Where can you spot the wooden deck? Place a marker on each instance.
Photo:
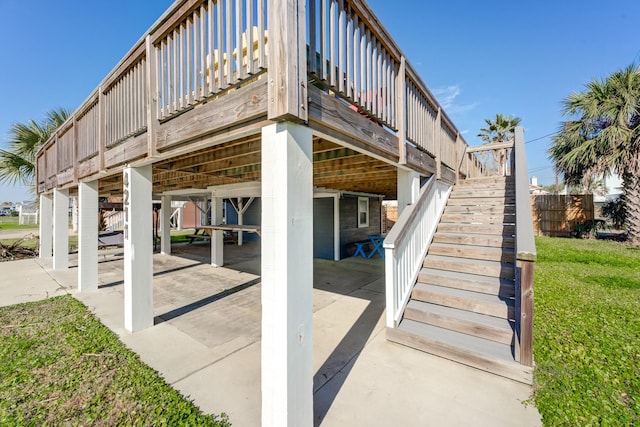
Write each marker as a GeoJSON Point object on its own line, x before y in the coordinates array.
{"type": "Point", "coordinates": [192, 96]}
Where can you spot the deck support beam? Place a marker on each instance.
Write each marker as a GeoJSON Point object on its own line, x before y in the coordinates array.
{"type": "Point", "coordinates": [60, 229]}
{"type": "Point", "coordinates": [217, 236]}
{"type": "Point", "coordinates": [88, 236]}
{"type": "Point", "coordinates": [165, 225]}
{"type": "Point", "coordinates": [46, 225]}
{"type": "Point", "coordinates": [138, 248]}
{"type": "Point", "coordinates": [287, 275]}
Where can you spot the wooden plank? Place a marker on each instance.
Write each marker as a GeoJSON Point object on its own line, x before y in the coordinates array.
{"type": "Point", "coordinates": [459, 354]}
{"type": "Point", "coordinates": [232, 109]}
{"type": "Point", "coordinates": [331, 113]}
{"type": "Point", "coordinates": [420, 161]}
{"type": "Point", "coordinates": [475, 239]}
{"type": "Point", "coordinates": [88, 167]}
{"type": "Point", "coordinates": [467, 322]}
{"type": "Point", "coordinates": [476, 228]}
{"type": "Point", "coordinates": [483, 268]}
{"type": "Point", "coordinates": [130, 149]}
{"type": "Point", "coordinates": [472, 252]}
{"type": "Point", "coordinates": [490, 305]}
{"type": "Point", "coordinates": [502, 288]}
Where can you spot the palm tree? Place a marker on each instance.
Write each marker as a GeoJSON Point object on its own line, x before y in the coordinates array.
{"type": "Point", "coordinates": [17, 164]}
{"type": "Point", "coordinates": [499, 130]}
{"type": "Point", "coordinates": [604, 137]}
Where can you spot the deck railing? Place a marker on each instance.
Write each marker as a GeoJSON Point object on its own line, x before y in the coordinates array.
{"type": "Point", "coordinates": [488, 160]}
{"type": "Point", "coordinates": [201, 48]}
{"type": "Point", "coordinates": [406, 245]}
{"type": "Point", "coordinates": [525, 248]}
{"type": "Point", "coordinates": [353, 55]}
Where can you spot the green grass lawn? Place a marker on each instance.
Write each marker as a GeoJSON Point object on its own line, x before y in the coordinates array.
{"type": "Point", "coordinates": [587, 332]}
{"type": "Point", "coordinates": [60, 366]}
{"type": "Point", "coordinates": [11, 223]}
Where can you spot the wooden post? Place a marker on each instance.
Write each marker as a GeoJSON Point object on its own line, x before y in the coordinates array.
{"type": "Point", "coordinates": [165, 225]}
{"type": "Point", "coordinates": [88, 236]}
{"type": "Point", "coordinates": [524, 311]}
{"type": "Point", "coordinates": [152, 97]}
{"type": "Point", "coordinates": [138, 248]}
{"type": "Point", "coordinates": [240, 212]}
{"type": "Point", "coordinates": [287, 63]}
{"type": "Point", "coordinates": [60, 229]}
{"type": "Point", "coordinates": [217, 238]}
{"type": "Point", "coordinates": [437, 138]}
{"type": "Point", "coordinates": [287, 276]}
{"type": "Point", "coordinates": [102, 128]}
{"type": "Point", "coordinates": [46, 225]}
{"type": "Point", "coordinates": [401, 112]}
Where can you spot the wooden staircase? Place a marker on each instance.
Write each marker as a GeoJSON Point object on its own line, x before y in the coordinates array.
{"type": "Point", "coordinates": [462, 306]}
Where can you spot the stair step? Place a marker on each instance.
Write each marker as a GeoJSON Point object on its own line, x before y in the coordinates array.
{"type": "Point", "coordinates": [472, 252]}
{"type": "Point", "coordinates": [467, 322]}
{"type": "Point", "coordinates": [472, 351]}
{"type": "Point", "coordinates": [480, 209]}
{"type": "Point", "coordinates": [500, 229]}
{"type": "Point", "coordinates": [476, 302]}
{"type": "Point", "coordinates": [495, 240]}
{"type": "Point", "coordinates": [480, 201]}
{"type": "Point", "coordinates": [481, 192]}
{"type": "Point", "coordinates": [479, 218]}
{"type": "Point", "coordinates": [464, 265]}
{"type": "Point", "coordinates": [503, 288]}
{"type": "Point", "coordinates": [487, 180]}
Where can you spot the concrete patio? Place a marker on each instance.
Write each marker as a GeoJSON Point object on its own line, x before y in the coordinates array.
{"type": "Point", "coordinates": [206, 341]}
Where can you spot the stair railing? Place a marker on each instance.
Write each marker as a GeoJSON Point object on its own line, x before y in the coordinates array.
{"type": "Point", "coordinates": [407, 243]}
{"type": "Point", "coordinates": [525, 254]}
{"type": "Point", "coordinates": [487, 160]}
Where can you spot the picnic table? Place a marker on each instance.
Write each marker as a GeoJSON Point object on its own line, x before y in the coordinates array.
{"type": "Point", "coordinates": [375, 240]}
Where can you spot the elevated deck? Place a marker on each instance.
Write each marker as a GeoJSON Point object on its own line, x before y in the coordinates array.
{"type": "Point", "coordinates": [192, 95]}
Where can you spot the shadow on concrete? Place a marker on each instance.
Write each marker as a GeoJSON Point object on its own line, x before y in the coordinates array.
{"type": "Point", "coordinates": [332, 375]}
{"type": "Point", "coordinates": [203, 302]}
{"type": "Point", "coordinates": [156, 274]}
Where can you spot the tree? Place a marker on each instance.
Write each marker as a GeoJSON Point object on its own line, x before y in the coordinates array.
{"type": "Point", "coordinates": [501, 129]}
{"type": "Point", "coordinates": [604, 137]}
{"type": "Point", "coordinates": [590, 185]}
{"type": "Point", "coordinates": [17, 163]}
{"type": "Point", "coordinates": [553, 188]}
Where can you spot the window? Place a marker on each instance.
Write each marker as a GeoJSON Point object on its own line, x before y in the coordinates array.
{"type": "Point", "coordinates": [363, 212]}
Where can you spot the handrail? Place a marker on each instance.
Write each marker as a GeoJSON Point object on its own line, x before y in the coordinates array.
{"type": "Point", "coordinates": [526, 245]}
{"type": "Point", "coordinates": [408, 216]}
{"type": "Point", "coordinates": [525, 254]}
{"type": "Point", "coordinates": [488, 160]}
{"type": "Point", "coordinates": [407, 243]}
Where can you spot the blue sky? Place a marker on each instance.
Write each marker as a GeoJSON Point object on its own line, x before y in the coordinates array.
{"type": "Point", "coordinates": [479, 58]}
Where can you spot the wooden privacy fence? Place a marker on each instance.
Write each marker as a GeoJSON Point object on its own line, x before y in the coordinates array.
{"type": "Point", "coordinates": [557, 214]}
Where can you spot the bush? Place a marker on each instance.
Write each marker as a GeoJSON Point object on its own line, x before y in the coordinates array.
{"type": "Point", "coordinates": [616, 211]}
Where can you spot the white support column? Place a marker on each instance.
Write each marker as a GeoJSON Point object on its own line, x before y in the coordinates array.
{"type": "Point", "coordinates": [217, 238]}
{"type": "Point", "coordinates": [88, 236]}
{"type": "Point", "coordinates": [46, 225]}
{"type": "Point", "coordinates": [408, 188]}
{"type": "Point", "coordinates": [60, 229]}
{"type": "Point", "coordinates": [240, 219]}
{"type": "Point", "coordinates": [165, 225]}
{"type": "Point", "coordinates": [138, 248]}
{"type": "Point", "coordinates": [74, 214]}
{"type": "Point", "coordinates": [287, 275]}
{"type": "Point", "coordinates": [336, 227]}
